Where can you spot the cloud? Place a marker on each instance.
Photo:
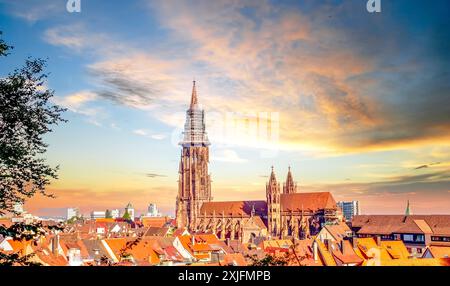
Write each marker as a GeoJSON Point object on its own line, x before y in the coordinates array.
{"type": "Point", "coordinates": [227, 155]}
{"type": "Point", "coordinates": [34, 10]}
{"type": "Point", "coordinates": [78, 102]}
{"type": "Point", "coordinates": [149, 134]}
{"type": "Point", "coordinates": [337, 86]}
{"type": "Point", "coordinates": [86, 40]}
{"type": "Point", "coordinates": [426, 166]}
{"type": "Point", "coordinates": [68, 36]}
{"type": "Point", "coordinates": [89, 199]}
{"type": "Point", "coordinates": [326, 72]}
{"type": "Point", "coordinates": [153, 175]}
{"type": "Point", "coordinates": [137, 81]}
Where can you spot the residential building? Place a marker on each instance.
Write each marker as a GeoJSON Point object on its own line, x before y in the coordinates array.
{"type": "Point", "coordinates": [130, 210]}
{"type": "Point", "coordinates": [416, 231]}
{"type": "Point", "coordinates": [98, 214]}
{"type": "Point", "coordinates": [115, 213]}
{"type": "Point", "coordinates": [349, 209]}
{"type": "Point", "coordinates": [72, 212]}
{"type": "Point", "coordinates": [152, 210]}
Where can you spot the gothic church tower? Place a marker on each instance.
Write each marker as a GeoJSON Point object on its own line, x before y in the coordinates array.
{"type": "Point", "coordinates": [194, 184]}
{"type": "Point", "coordinates": [289, 187]}
{"type": "Point", "coordinates": [273, 206]}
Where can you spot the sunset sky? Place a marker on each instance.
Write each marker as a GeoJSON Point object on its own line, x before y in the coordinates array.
{"type": "Point", "coordinates": [361, 101]}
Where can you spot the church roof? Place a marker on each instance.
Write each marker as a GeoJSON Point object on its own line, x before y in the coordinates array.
{"type": "Point", "coordinates": [307, 201]}
{"type": "Point", "coordinates": [234, 208]}
{"type": "Point", "coordinates": [388, 224]}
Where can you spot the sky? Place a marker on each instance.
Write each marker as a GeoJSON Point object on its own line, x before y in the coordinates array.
{"type": "Point", "coordinates": [356, 103]}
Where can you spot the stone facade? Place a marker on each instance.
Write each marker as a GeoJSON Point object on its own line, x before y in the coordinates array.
{"type": "Point", "coordinates": [194, 184]}
{"type": "Point", "coordinates": [287, 214]}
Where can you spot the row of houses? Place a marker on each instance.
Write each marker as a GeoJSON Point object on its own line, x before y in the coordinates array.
{"type": "Point", "coordinates": [367, 241]}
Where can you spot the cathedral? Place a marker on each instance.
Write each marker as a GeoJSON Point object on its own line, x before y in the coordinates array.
{"type": "Point", "coordinates": [285, 213]}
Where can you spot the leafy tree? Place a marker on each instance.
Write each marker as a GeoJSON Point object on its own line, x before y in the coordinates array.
{"type": "Point", "coordinates": [126, 215]}
{"type": "Point", "coordinates": [26, 115]}
{"type": "Point", "coordinates": [108, 214]}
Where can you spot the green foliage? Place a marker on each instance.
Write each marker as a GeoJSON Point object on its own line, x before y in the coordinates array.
{"type": "Point", "coordinates": [15, 259]}
{"type": "Point", "coordinates": [26, 115]}
{"type": "Point", "coordinates": [74, 219]}
{"type": "Point", "coordinates": [268, 260]}
{"type": "Point", "coordinates": [108, 214]}
{"type": "Point", "coordinates": [23, 232]}
{"type": "Point", "coordinates": [126, 215]}
{"type": "Point", "coordinates": [3, 47]}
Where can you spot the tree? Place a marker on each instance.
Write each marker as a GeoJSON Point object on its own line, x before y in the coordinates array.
{"type": "Point", "coordinates": [126, 215]}
{"type": "Point", "coordinates": [108, 214]}
{"type": "Point", "coordinates": [26, 115]}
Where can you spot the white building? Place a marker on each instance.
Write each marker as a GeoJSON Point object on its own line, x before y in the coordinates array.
{"type": "Point", "coordinates": [349, 209]}
{"type": "Point", "coordinates": [115, 213]}
{"type": "Point", "coordinates": [153, 210]}
{"type": "Point", "coordinates": [72, 212]}
{"type": "Point", "coordinates": [98, 214]}
{"type": "Point", "coordinates": [130, 210]}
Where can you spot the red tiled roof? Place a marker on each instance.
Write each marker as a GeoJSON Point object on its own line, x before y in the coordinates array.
{"type": "Point", "coordinates": [235, 259]}
{"type": "Point", "coordinates": [308, 201]}
{"type": "Point", "coordinates": [388, 224]}
{"type": "Point", "coordinates": [154, 221]}
{"type": "Point", "coordinates": [235, 208]}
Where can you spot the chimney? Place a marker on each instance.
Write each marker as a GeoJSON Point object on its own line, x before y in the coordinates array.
{"type": "Point", "coordinates": [315, 254]}
{"type": "Point", "coordinates": [193, 240]}
{"type": "Point", "coordinates": [378, 240]}
{"type": "Point", "coordinates": [55, 245]}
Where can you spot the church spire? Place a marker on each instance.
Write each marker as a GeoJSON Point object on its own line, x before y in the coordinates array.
{"type": "Point", "coordinates": [408, 210]}
{"type": "Point", "coordinates": [194, 100]}
{"type": "Point", "coordinates": [272, 176]}
{"type": "Point", "coordinates": [289, 187]}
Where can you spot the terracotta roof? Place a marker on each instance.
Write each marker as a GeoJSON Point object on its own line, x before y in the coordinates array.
{"type": "Point", "coordinates": [396, 248]}
{"type": "Point", "coordinates": [440, 251]}
{"type": "Point", "coordinates": [279, 243]}
{"type": "Point", "coordinates": [94, 246]}
{"type": "Point", "coordinates": [308, 201]}
{"type": "Point", "coordinates": [367, 247]}
{"type": "Point", "coordinates": [172, 254]}
{"type": "Point", "coordinates": [413, 262]}
{"type": "Point", "coordinates": [202, 244]}
{"type": "Point", "coordinates": [6, 222]}
{"type": "Point", "coordinates": [236, 208]}
{"type": "Point", "coordinates": [424, 227]}
{"type": "Point", "coordinates": [76, 244]}
{"type": "Point", "coordinates": [303, 248]}
{"type": "Point", "coordinates": [155, 221]}
{"type": "Point", "coordinates": [234, 259]}
{"type": "Point", "coordinates": [347, 255]}
{"type": "Point", "coordinates": [338, 231]}
{"type": "Point", "coordinates": [156, 231]}
{"type": "Point", "coordinates": [145, 251]}
{"type": "Point", "coordinates": [388, 224]}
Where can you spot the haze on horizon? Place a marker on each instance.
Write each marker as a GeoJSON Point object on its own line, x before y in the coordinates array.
{"type": "Point", "coordinates": [362, 99]}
